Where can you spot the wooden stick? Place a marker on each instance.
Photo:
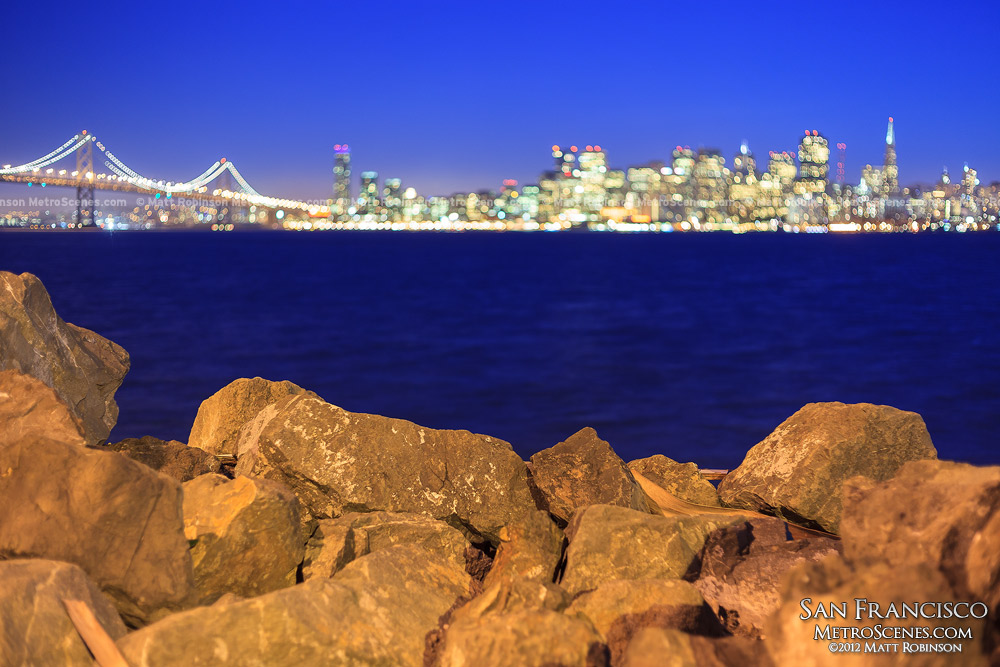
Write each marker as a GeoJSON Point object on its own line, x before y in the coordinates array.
{"type": "Point", "coordinates": [670, 505]}
{"type": "Point", "coordinates": [103, 647]}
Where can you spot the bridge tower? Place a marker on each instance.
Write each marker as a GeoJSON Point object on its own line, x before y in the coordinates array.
{"type": "Point", "coordinates": [85, 176]}
{"type": "Point", "coordinates": [225, 183]}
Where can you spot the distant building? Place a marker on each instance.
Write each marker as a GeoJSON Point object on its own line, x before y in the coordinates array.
{"type": "Point", "coordinates": [710, 185]}
{"type": "Point", "coordinates": [341, 180]}
{"type": "Point", "coordinates": [814, 162]}
{"type": "Point", "coordinates": [368, 200]}
{"type": "Point", "coordinates": [744, 163]}
{"type": "Point", "coordinates": [392, 198]}
{"type": "Point", "coordinates": [890, 172]}
{"type": "Point", "coordinates": [593, 170]}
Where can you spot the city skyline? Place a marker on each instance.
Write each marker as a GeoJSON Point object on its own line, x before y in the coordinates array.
{"type": "Point", "coordinates": [694, 190]}
{"type": "Point", "coordinates": [462, 98]}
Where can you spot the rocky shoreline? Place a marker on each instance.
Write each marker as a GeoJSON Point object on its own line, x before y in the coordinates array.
{"type": "Point", "coordinates": [289, 531]}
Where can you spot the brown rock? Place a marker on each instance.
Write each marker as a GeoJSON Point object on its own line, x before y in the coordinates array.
{"type": "Point", "coordinates": [681, 479]}
{"type": "Point", "coordinates": [245, 535]}
{"type": "Point", "coordinates": [83, 368]}
{"type": "Point", "coordinates": [34, 626]}
{"type": "Point", "coordinates": [376, 611]}
{"type": "Point", "coordinates": [797, 472]}
{"type": "Point", "coordinates": [660, 647]}
{"type": "Point", "coordinates": [530, 547]}
{"type": "Point", "coordinates": [831, 586]}
{"type": "Point", "coordinates": [938, 514]}
{"type": "Point", "coordinates": [526, 637]}
{"type": "Point", "coordinates": [742, 568]}
{"type": "Point", "coordinates": [30, 408]}
{"type": "Point", "coordinates": [170, 457]}
{"type": "Point", "coordinates": [337, 542]}
{"type": "Point", "coordinates": [619, 609]}
{"type": "Point", "coordinates": [221, 416]}
{"type": "Point", "coordinates": [608, 542]}
{"type": "Point", "coordinates": [337, 462]}
{"type": "Point", "coordinates": [513, 595]}
{"type": "Point", "coordinates": [583, 470]}
{"type": "Point", "coordinates": [118, 520]}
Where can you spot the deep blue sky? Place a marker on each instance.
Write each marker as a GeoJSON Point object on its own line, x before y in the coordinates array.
{"type": "Point", "coordinates": [459, 95]}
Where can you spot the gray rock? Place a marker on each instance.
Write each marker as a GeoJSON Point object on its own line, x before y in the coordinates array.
{"type": "Point", "coordinates": [664, 647]}
{"type": "Point", "coordinates": [583, 470]}
{"type": "Point", "coordinates": [376, 611]}
{"type": "Point", "coordinates": [30, 408]}
{"type": "Point", "coordinates": [608, 542]}
{"type": "Point", "coordinates": [34, 626]}
{"type": "Point", "coordinates": [832, 581]}
{"type": "Point", "coordinates": [221, 416]}
{"type": "Point", "coordinates": [742, 568]}
{"type": "Point", "coordinates": [337, 542]}
{"type": "Point", "coordinates": [941, 514]}
{"type": "Point", "coordinates": [83, 368]}
{"type": "Point", "coordinates": [169, 457]}
{"type": "Point", "coordinates": [338, 462]}
{"type": "Point", "coordinates": [245, 535]}
{"type": "Point", "coordinates": [620, 609]}
{"type": "Point", "coordinates": [530, 548]}
{"type": "Point", "coordinates": [117, 519]}
{"type": "Point", "coordinates": [526, 637]}
{"type": "Point", "coordinates": [797, 472]}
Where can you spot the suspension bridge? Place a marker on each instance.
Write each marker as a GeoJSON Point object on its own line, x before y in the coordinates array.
{"type": "Point", "coordinates": [221, 183]}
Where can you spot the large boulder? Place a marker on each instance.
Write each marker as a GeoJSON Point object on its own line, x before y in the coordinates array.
{"type": "Point", "coordinates": [336, 542]}
{"type": "Point", "coordinates": [376, 611]}
{"type": "Point", "coordinates": [619, 609]}
{"type": "Point", "coordinates": [664, 647]}
{"type": "Point", "coordinates": [798, 470]}
{"type": "Point", "coordinates": [608, 542]}
{"type": "Point", "coordinates": [525, 637]}
{"type": "Point", "coordinates": [583, 470]}
{"type": "Point", "coordinates": [742, 568]}
{"type": "Point", "coordinates": [83, 368]}
{"type": "Point", "coordinates": [338, 461]}
{"type": "Point", "coordinates": [220, 417]}
{"type": "Point", "coordinates": [117, 519]}
{"type": "Point", "coordinates": [34, 626]}
{"type": "Point", "coordinates": [170, 457]}
{"type": "Point", "coordinates": [834, 603]}
{"type": "Point", "coordinates": [940, 514]}
{"type": "Point", "coordinates": [244, 533]}
{"type": "Point", "coordinates": [680, 479]}
{"type": "Point", "coordinates": [530, 547]}
{"type": "Point", "coordinates": [30, 408]}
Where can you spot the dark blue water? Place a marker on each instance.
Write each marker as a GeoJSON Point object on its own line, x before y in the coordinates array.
{"type": "Point", "coordinates": [695, 346]}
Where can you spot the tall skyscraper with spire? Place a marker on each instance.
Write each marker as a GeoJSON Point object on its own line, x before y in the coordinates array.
{"type": "Point", "coordinates": [890, 172]}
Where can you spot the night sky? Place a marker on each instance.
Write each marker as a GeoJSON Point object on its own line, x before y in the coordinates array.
{"type": "Point", "coordinates": [456, 96]}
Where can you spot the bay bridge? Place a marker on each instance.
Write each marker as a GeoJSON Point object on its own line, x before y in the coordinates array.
{"type": "Point", "coordinates": [221, 183]}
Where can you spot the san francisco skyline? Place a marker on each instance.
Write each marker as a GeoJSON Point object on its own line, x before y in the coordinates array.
{"type": "Point", "coordinates": [464, 98]}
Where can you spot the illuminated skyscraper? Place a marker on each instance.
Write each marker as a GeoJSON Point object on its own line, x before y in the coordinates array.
{"type": "Point", "coordinates": [814, 162]}
{"type": "Point", "coordinates": [593, 168]}
{"type": "Point", "coordinates": [392, 197]}
{"type": "Point", "coordinates": [890, 172]}
{"type": "Point", "coordinates": [341, 179]}
{"type": "Point", "coordinates": [368, 199]}
{"type": "Point", "coordinates": [565, 159]}
{"type": "Point", "coordinates": [710, 184]}
{"type": "Point", "coordinates": [744, 163]}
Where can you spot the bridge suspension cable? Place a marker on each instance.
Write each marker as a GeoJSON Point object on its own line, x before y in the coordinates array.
{"type": "Point", "coordinates": [126, 174]}
{"type": "Point", "coordinates": [54, 156]}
